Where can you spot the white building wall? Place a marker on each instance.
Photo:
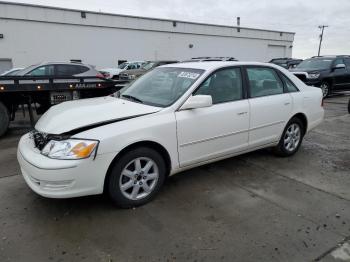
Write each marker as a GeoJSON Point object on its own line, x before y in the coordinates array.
{"type": "Point", "coordinates": [34, 34]}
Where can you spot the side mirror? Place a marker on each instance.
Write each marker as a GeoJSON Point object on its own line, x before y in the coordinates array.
{"type": "Point", "coordinates": [339, 66]}
{"type": "Point", "coordinates": [198, 101]}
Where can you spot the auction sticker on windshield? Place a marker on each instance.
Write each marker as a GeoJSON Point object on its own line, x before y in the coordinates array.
{"type": "Point", "coordinates": [189, 75]}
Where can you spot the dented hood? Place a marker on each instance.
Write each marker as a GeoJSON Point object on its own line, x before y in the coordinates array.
{"type": "Point", "coordinates": [89, 113]}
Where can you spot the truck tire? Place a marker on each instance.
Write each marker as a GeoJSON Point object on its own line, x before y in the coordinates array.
{"type": "Point", "coordinates": [4, 119]}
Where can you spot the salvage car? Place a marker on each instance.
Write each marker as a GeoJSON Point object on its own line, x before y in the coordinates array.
{"type": "Point", "coordinates": [132, 74]}
{"type": "Point", "coordinates": [330, 73]}
{"type": "Point", "coordinates": [114, 73]}
{"type": "Point", "coordinates": [12, 72]}
{"type": "Point", "coordinates": [171, 119]}
{"type": "Point", "coordinates": [288, 63]}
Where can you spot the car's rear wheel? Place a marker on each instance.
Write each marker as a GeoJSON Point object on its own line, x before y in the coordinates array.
{"type": "Point", "coordinates": [4, 119]}
{"type": "Point", "coordinates": [326, 88]}
{"type": "Point", "coordinates": [291, 138]}
{"type": "Point", "coordinates": [136, 177]}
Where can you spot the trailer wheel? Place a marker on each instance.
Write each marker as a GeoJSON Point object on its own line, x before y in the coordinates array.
{"type": "Point", "coordinates": [4, 119]}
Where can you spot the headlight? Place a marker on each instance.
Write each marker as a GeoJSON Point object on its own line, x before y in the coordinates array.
{"type": "Point", "coordinates": [70, 149]}
{"type": "Point", "coordinates": [313, 76]}
{"type": "Point", "coordinates": [132, 77]}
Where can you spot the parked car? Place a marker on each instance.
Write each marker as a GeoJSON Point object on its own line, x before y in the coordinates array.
{"type": "Point", "coordinates": [288, 63]}
{"type": "Point", "coordinates": [210, 58]}
{"type": "Point", "coordinates": [132, 74]}
{"type": "Point", "coordinates": [12, 71]}
{"type": "Point", "coordinates": [57, 69]}
{"type": "Point", "coordinates": [113, 73]}
{"type": "Point", "coordinates": [171, 119]}
{"type": "Point", "coordinates": [330, 73]}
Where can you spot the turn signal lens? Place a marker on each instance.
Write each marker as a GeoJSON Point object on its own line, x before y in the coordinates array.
{"type": "Point", "coordinates": [83, 150]}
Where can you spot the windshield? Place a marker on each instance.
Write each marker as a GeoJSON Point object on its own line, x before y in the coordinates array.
{"type": "Point", "coordinates": [162, 86]}
{"type": "Point", "coordinates": [148, 66]}
{"type": "Point", "coordinates": [123, 65]}
{"type": "Point", "coordinates": [315, 64]}
{"type": "Point", "coordinates": [26, 70]}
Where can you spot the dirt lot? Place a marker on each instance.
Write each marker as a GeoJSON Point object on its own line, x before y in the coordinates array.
{"type": "Point", "coordinates": [255, 207]}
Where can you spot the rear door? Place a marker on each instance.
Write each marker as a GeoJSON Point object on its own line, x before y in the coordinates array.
{"type": "Point", "coordinates": [270, 105]}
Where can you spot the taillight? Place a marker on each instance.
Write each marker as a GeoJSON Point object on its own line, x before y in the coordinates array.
{"type": "Point", "coordinates": [100, 75]}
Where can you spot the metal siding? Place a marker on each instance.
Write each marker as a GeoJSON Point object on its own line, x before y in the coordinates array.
{"type": "Point", "coordinates": [103, 39]}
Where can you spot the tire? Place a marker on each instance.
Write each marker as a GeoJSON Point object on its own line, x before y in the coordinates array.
{"type": "Point", "coordinates": [326, 88]}
{"type": "Point", "coordinates": [4, 119]}
{"type": "Point", "coordinates": [140, 186]}
{"type": "Point", "coordinates": [285, 148]}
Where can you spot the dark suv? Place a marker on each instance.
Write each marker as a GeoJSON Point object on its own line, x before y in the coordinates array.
{"type": "Point", "coordinates": [330, 73]}
{"type": "Point", "coordinates": [288, 63]}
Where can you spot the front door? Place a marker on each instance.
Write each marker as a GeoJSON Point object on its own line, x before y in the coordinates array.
{"type": "Point", "coordinates": [212, 132]}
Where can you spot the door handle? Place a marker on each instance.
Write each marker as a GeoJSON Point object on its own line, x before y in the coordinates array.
{"type": "Point", "coordinates": [287, 103]}
{"type": "Point", "coordinates": [242, 113]}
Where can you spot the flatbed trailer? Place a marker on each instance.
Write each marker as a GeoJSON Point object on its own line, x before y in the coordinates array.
{"type": "Point", "coordinates": [40, 93]}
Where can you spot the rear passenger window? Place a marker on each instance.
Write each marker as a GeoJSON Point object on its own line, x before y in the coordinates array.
{"type": "Point", "coordinates": [223, 86]}
{"type": "Point", "coordinates": [289, 85]}
{"type": "Point", "coordinates": [70, 70]}
{"type": "Point", "coordinates": [264, 82]}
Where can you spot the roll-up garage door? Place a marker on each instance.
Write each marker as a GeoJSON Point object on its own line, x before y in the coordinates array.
{"type": "Point", "coordinates": [276, 51]}
{"type": "Point", "coordinates": [5, 64]}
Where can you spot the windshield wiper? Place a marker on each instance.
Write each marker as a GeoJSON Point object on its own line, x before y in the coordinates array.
{"type": "Point", "coordinates": [133, 98]}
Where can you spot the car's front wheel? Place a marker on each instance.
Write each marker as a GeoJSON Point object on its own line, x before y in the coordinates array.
{"type": "Point", "coordinates": [136, 177]}
{"type": "Point", "coordinates": [291, 138]}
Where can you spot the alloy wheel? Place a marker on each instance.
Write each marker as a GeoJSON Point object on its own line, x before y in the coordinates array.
{"type": "Point", "coordinates": [139, 178]}
{"type": "Point", "coordinates": [325, 89]}
{"type": "Point", "coordinates": [292, 137]}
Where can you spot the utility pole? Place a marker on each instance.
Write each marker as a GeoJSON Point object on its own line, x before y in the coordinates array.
{"type": "Point", "coordinates": [322, 27]}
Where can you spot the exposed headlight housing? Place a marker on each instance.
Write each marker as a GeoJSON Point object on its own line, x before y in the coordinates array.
{"type": "Point", "coordinates": [132, 77]}
{"type": "Point", "coordinates": [313, 75]}
{"type": "Point", "coordinates": [70, 149]}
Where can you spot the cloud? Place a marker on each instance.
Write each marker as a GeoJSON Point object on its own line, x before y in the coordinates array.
{"type": "Point", "coordinates": [300, 16]}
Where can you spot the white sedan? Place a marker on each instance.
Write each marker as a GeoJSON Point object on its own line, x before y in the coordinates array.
{"type": "Point", "coordinates": [171, 119]}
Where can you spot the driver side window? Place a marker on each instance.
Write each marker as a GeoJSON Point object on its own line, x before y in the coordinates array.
{"type": "Point", "coordinates": [223, 86]}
